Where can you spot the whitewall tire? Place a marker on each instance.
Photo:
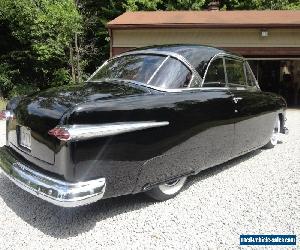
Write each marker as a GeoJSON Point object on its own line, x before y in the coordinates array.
{"type": "Point", "coordinates": [167, 190]}
{"type": "Point", "coordinates": [275, 134]}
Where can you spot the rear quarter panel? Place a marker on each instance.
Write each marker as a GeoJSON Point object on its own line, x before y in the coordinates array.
{"type": "Point", "coordinates": [132, 160]}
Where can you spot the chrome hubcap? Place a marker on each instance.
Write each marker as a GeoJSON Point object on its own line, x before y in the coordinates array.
{"type": "Point", "coordinates": [172, 187]}
{"type": "Point", "coordinates": [172, 183]}
{"type": "Point", "coordinates": [275, 133]}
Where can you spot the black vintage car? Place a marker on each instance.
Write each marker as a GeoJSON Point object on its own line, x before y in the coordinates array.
{"type": "Point", "coordinates": [143, 122]}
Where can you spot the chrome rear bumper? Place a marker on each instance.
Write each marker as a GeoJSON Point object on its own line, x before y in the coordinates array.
{"type": "Point", "coordinates": [58, 192]}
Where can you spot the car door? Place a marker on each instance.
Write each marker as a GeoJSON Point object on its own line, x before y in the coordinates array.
{"type": "Point", "coordinates": [200, 133]}
{"type": "Point", "coordinates": [253, 119]}
{"type": "Point", "coordinates": [221, 134]}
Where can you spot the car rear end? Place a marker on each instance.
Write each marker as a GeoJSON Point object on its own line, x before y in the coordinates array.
{"type": "Point", "coordinates": [62, 160]}
{"type": "Point", "coordinates": [39, 162]}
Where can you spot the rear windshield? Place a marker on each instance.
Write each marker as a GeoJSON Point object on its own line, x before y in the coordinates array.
{"type": "Point", "coordinates": [132, 67]}
{"type": "Point", "coordinates": [172, 75]}
{"type": "Point", "coordinates": [156, 70]}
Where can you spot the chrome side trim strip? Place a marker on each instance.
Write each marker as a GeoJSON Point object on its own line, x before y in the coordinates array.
{"type": "Point", "coordinates": [81, 132]}
{"type": "Point", "coordinates": [55, 191]}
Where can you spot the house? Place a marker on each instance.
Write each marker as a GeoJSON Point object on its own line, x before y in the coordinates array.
{"type": "Point", "coordinates": [269, 39]}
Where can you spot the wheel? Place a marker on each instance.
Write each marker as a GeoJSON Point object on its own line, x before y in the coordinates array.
{"type": "Point", "coordinates": [167, 190]}
{"type": "Point", "coordinates": [274, 138]}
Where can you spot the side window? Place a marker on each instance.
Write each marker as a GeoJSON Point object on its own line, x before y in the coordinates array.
{"type": "Point", "coordinates": [173, 74]}
{"type": "Point", "coordinates": [215, 76]}
{"type": "Point", "coordinates": [235, 72]}
{"type": "Point", "coordinates": [250, 78]}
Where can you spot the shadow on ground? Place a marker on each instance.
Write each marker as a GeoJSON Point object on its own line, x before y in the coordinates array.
{"type": "Point", "coordinates": [67, 222]}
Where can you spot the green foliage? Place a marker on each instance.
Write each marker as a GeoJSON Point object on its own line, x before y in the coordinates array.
{"type": "Point", "coordinates": [95, 37]}
{"type": "Point", "coordinates": [135, 5]}
{"type": "Point", "coordinates": [56, 42]}
{"type": "Point", "coordinates": [259, 4]}
{"type": "Point", "coordinates": [185, 5]}
{"type": "Point", "coordinates": [3, 103]}
{"type": "Point", "coordinates": [22, 89]}
{"type": "Point", "coordinates": [54, 28]}
{"type": "Point", "coordinates": [20, 16]}
{"type": "Point", "coordinates": [61, 77]}
{"type": "Point", "coordinates": [6, 76]}
{"type": "Point", "coordinates": [293, 6]}
{"type": "Point", "coordinates": [38, 35]}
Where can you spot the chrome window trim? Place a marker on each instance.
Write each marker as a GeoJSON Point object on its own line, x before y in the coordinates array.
{"type": "Point", "coordinates": [245, 74]}
{"type": "Point", "coordinates": [231, 57]}
{"type": "Point", "coordinates": [158, 68]}
{"type": "Point", "coordinates": [166, 90]}
{"type": "Point", "coordinates": [251, 72]}
{"type": "Point", "coordinates": [210, 62]}
{"type": "Point", "coordinates": [215, 57]}
{"type": "Point", "coordinates": [239, 59]}
{"type": "Point", "coordinates": [164, 53]}
{"type": "Point", "coordinates": [225, 70]}
{"type": "Point", "coordinates": [195, 75]}
{"type": "Point", "coordinates": [156, 71]}
{"type": "Point", "coordinates": [236, 86]}
{"type": "Point", "coordinates": [97, 70]}
{"type": "Point", "coordinates": [241, 86]}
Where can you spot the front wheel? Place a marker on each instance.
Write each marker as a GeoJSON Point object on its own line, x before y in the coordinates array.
{"type": "Point", "coordinates": [167, 190]}
{"type": "Point", "coordinates": [275, 134]}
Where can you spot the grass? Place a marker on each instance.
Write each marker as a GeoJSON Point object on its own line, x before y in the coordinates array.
{"type": "Point", "coordinates": [2, 103]}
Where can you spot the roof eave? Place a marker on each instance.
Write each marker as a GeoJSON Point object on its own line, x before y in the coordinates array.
{"type": "Point", "coordinates": [201, 25]}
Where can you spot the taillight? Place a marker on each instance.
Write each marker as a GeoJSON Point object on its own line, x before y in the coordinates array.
{"type": "Point", "coordinates": [6, 115]}
{"type": "Point", "coordinates": [85, 132]}
{"type": "Point", "coordinates": [60, 133]}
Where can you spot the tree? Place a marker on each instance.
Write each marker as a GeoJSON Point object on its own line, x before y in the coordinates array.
{"type": "Point", "coordinates": [260, 4]}
{"type": "Point", "coordinates": [40, 33]}
{"type": "Point", "coordinates": [137, 5]}
{"type": "Point", "coordinates": [185, 5]}
{"type": "Point", "coordinates": [94, 40]}
{"type": "Point", "coordinates": [53, 42]}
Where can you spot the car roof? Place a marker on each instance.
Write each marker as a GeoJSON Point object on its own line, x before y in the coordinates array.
{"type": "Point", "coordinates": [198, 55]}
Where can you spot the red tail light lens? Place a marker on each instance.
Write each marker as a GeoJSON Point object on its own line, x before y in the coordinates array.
{"type": "Point", "coordinates": [60, 133]}
{"type": "Point", "coordinates": [2, 115]}
{"type": "Point", "coordinates": [6, 115]}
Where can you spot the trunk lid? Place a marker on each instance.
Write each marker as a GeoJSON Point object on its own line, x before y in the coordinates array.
{"type": "Point", "coordinates": [40, 112]}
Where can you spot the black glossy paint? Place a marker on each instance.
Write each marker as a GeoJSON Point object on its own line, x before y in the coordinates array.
{"type": "Point", "coordinates": [256, 113]}
{"type": "Point", "coordinates": [197, 121]}
{"type": "Point", "coordinates": [43, 111]}
{"type": "Point", "coordinates": [206, 128]}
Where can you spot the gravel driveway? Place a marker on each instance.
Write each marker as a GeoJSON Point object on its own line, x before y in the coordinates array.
{"type": "Point", "coordinates": [258, 193]}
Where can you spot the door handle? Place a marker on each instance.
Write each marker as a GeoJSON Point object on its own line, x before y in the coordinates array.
{"type": "Point", "coordinates": [237, 99]}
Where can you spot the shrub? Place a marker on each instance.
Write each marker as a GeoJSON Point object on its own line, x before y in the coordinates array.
{"type": "Point", "coordinates": [22, 89]}
{"type": "Point", "coordinates": [2, 103]}
{"type": "Point", "coordinates": [61, 77]}
{"type": "Point", "coordinates": [6, 79]}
